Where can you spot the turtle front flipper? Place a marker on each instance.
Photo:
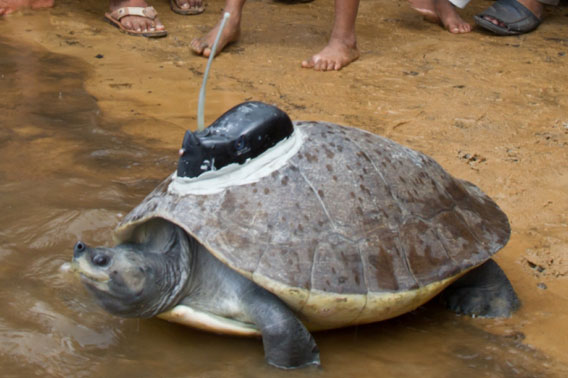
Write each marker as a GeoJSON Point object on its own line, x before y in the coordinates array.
{"type": "Point", "coordinates": [484, 291]}
{"type": "Point", "coordinates": [287, 342]}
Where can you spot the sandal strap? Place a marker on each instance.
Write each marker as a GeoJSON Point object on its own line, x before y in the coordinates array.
{"type": "Point", "coordinates": [147, 12]}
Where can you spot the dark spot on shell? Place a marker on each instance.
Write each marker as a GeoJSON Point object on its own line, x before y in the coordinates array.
{"type": "Point", "coordinates": [340, 148]}
{"type": "Point", "coordinates": [328, 152]}
{"type": "Point", "coordinates": [284, 180]}
{"type": "Point", "coordinates": [365, 189]}
{"type": "Point", "coordinates": [329, 167]}
{"type": "Point", "coordinates": [363, 155]}
{"type": "Point", "coordinates": [334, 177]}
{"type": "Point", "coordinates": [300, 228]}
{"type": "Point", "coordinates": [274, 174]}
{"type": "Point", "coordinates": [283, 219]}
{"type": "Point", "coordinates": [229, 202]}
{"type": "Point", "coordinates": [255, 190]}
{"type": "Point", "coordinates": [333, 270]}
{"type": "Point", "coordinates": [352, 194]}
{"type": "Point", "coordinates": [300, 155]}
{"type": "Point", "coordinates": [342, 280]}
{"type": "Point", "coordinates": [311, 158]}
{"type": "Point", "coordinates": [306, 217]}
{"type": "Point", "coordinates": [266, 190]}
{"type": "Point", "coordinates": [320, 193]}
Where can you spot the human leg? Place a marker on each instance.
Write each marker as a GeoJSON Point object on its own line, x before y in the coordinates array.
{"type": "Point", "coordinates": [342, 46]}
{"type": "Point", "coordinates": [231, 32]}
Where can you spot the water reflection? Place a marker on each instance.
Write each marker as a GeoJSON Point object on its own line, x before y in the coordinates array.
{"type": "Point", "coordinates": [67, 173]}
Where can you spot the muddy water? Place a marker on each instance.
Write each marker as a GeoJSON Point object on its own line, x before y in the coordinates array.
{"type": "Point", "coordinates": [84, 138]}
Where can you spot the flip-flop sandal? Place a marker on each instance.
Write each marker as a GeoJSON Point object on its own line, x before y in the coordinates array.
{"type": "Point", "coordinates": [186, 12]}
{"type": "Point", "coordinates": [517, 18]}
{"type": "Point", "coordinates": [114, 18]}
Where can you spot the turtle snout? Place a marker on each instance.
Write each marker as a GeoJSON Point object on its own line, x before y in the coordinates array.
{"type": "Point", "coordinates": [97, 256]}
{"type": "Point", "coordinates": [79, 248]}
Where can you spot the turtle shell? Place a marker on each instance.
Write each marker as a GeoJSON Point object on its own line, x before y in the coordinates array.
{"type": "Point", "coordinates": [352, 228]}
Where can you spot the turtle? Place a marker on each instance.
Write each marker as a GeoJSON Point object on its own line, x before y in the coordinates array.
{"type": "Point", "coordinates": [276, 228]}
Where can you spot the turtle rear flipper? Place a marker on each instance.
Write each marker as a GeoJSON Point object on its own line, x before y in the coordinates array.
{"type": "Point", "coordinates": [484, 291]}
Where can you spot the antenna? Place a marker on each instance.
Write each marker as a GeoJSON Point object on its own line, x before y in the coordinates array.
{"type": "Point", "coordinates": [201, 104]}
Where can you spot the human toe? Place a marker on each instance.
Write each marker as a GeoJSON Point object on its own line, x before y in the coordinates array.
{"type": "Point", "coordinates": [330, 66]}
{"type": "Point", "coordinates": [206, 52]}
{"type": "Point", "coordinates": [198, 46]}
{"type": "Point", "coordinates": [308, 63]}
{"type": "Point", "coordinates": [318, 65]}
{"type": "Point", "coordinates": [183, 4]}
{"type": "Point", "coordinates": [158, 25]}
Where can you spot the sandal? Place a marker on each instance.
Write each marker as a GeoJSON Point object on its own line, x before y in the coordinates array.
{"type": "Point", "coordinates": [517, 18]}
{"type": "Point", "coordinates": [186, 12]}
{"type": "Point", "coordinates": [114, 18]}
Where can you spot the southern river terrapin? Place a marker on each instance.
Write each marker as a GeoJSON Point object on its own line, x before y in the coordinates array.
{"type": "Point", "coordinates": [272, 228]}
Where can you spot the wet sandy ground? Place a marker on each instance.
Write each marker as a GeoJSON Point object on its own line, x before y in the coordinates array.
{"type": "Point", "coordinates": [91, 120]}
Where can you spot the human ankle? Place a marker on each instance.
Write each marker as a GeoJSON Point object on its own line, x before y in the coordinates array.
{"type": "Point", "coordinates": [534, 6]}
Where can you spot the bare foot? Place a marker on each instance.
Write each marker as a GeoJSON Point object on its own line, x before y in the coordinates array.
{"type": "Point", "coordinates": [10, 6]}
{"type": "Point", "coordinates": [231, 33]}
{"type": "Point", "coordinates": [441, 12]}
{"type": "Point", "coordinates": [188, 7]}
{"type": "Point", "coordinates": [336, 55]}
{"type": "Point", "coordinates": [136, 23]}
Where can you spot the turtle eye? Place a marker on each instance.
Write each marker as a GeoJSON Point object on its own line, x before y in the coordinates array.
{"type": "Point", "coordinates": [100, 260]}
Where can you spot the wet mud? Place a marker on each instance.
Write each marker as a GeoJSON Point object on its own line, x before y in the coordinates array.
{"type": "Point", "coordinates": [91, 120]}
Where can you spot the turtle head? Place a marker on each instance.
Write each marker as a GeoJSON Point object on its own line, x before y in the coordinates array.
{"type": "Point", "coordinates": [136, 279]}
{"type": "Point", "coordinates": [242, 133]}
